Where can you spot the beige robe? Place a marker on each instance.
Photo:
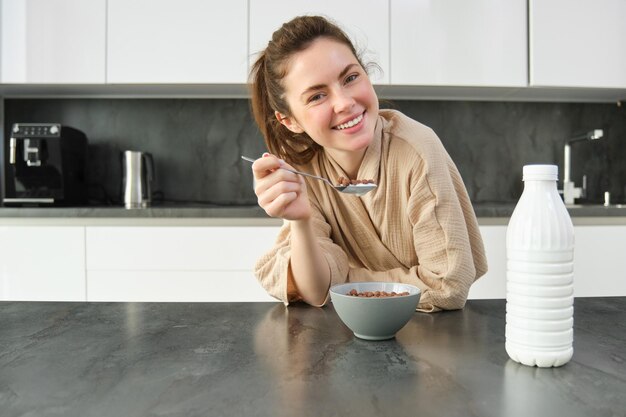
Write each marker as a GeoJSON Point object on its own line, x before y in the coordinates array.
{"type": "Point", "coordinates": [418, 226]}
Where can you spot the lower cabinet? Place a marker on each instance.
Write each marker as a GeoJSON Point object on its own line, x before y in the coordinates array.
{"type": "Point", "coordinates": [213, 264]}
{"type": "Point", "coordinates": [175, 286]}
{"type": "Point", "coordinates": [493, 283]}
{"type": "Point", "coordinates": [599, 262]}
{"type": "Point", "coordinates": [175, 263]}
{"type": "Point", "coordinates": [42, 263]}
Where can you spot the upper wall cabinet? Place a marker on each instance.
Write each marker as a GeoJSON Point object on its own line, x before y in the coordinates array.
{"type": "Point", "coordinates": [52, 41]}
{"type": "Point", "coordinates": [170, 42]}
{"type": "Point", "coordinates": [365, 21]}
{"type": "Point", "coordinates": [459, 43]}
{"type": "Point", "coordinates": [580, 44]}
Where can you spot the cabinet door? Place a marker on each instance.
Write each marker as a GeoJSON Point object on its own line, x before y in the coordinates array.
{"type": "Point", "coordinates": [365, 21]}
{"type": "Point", "coordinates": [459, 43]}
{"type": "Point", "coordinates": [493, 283]}
{"type": "Point", "coordinates": [154, 248]}
{"type": "Point", "coordinates": [52, 41]}
{"type": "Point", "coordinates": [176, 263]}
{"type": "Point", "coordinates": [42, 263]}
{"type": "Point", "coordinates": [184, 41]}
{"type": "Point", "coordinates": [581, 44]}
{"type": "Point", "coordinates": [599, 261]}
{"type": "Point", "coordinates": [175, 286]}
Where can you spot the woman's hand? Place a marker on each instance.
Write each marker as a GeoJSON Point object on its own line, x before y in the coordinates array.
{"type": "Point", "coordinates": [280, 193]}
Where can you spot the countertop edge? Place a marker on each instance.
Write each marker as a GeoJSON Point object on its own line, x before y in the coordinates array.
{"type": "Point", "coordinates": [235, 221]}
{"type": "Point", "coordinates": [488, 214]}
{"type": "Point", "coordinates": [142, 221]}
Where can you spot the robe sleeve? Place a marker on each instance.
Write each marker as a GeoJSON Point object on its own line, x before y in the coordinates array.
{"type": "Point", "coordinates": [273, 269]}
{"type": "Point", "coordinates": [445, 231]}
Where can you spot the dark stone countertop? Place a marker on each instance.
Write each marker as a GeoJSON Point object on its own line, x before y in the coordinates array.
{"type": "Point", "coordinates": [157, 211]}
{"type": "Point", "coordinates": [264, 359]}
{"type": "Point", "coordinates": [482, 210]}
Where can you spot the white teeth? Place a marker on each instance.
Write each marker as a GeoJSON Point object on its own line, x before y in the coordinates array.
{"type": "Point", "coordinates": [351, 123]}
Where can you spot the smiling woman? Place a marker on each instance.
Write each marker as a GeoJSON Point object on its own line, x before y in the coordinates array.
{"type": "Point", "coordinates": [318, 113]}
{"type": "Point", "coordinates": [330, 97]}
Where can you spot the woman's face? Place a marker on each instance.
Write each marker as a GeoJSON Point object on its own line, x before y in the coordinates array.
{"type": "Point", "coordinates": [331, 99]}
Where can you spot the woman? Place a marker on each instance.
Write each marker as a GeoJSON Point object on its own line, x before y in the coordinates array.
{"type": "Point", "coordinates": [318, 112]}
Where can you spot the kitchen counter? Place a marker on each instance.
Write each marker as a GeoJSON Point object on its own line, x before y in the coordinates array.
{"type": "Point", "coordinates": [264, 359]}
{"type": "Point", "coordinates": [198, 214]}
{"type": "Point", "coordinates": [159, 211]}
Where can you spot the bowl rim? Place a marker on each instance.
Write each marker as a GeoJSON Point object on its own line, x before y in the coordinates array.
{"type": "Point", "coordinates": [333, 290]}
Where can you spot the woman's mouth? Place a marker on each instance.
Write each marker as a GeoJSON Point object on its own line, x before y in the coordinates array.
{"type": "Point", "coordinates": [350, 123]}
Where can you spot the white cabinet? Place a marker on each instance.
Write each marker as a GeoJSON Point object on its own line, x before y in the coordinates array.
{"type": "Point", "coordinates": [169, 42]}
{"type": "Point", "coordinates": [42, 263]}
{"type": "Point", "coordinates": [441, 49]}
{"type": "Point", "coordinates": [599, 262]}
{"type": "Point", "coordinates": [176, 263]}
{"type": "Point", "coordinates": [215, 263]}
{"type": "Point", "coordinates": [459, 43]}
{"type": "Point", "coordinates": [493, 283]}
{"type": "Point", "coordinates": [365, 21]}
{"type": "Point", "coordinates": [580, 44]}
{"type": "Point", "coordinates": [52, 41]}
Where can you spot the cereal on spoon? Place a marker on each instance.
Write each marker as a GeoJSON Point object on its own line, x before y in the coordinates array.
{"type": "Point", "coordinates": [344, 182]}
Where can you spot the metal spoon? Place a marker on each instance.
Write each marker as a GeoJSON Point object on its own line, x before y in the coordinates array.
{"type": "Point", "coordinates": [356, 189]}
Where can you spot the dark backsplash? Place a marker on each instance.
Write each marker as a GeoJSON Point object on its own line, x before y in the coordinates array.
{"type": "Point", "coordinates": [197, 143]}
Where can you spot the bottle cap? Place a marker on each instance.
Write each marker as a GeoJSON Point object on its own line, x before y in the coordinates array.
{"type": "Point", "coordinates": [540, 172]}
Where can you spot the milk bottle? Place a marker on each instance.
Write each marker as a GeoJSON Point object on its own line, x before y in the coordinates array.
{"type": "Point", "coordinates": [540, 271]}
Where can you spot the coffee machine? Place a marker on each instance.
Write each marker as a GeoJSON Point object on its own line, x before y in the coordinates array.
{"type": "Point", "coordinates": [45, 165]}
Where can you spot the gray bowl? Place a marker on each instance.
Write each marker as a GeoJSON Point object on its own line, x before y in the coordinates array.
{"type": "Point", "coordinates": [375, 318]}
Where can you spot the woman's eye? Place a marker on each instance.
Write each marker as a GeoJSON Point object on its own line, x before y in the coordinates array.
{"type": "Point", "coordinates": [351, 78]}
{"type": "Point", "coordinates": [315, 97]}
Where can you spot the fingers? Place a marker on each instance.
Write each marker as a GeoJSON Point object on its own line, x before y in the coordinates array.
{"type": "Point", "coordinates": [280, 192]}
{"type": "Point", "coordinates": [278, 206]}
{"type": "Point", "coordinates": [276, 191]}
{"type": "Point", "coordinates": [265, 165]}
{"type": "Point", "coordinates": [268, 174]}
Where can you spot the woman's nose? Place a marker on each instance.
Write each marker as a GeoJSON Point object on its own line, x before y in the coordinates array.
{"type": "Point", "coordinates": [343, 102]}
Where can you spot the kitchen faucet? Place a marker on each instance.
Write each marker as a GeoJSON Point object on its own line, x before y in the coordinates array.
{"type": "Point", "coordinates": [570, 191]}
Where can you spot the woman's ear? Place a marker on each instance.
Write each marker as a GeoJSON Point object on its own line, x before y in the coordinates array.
{"type": "Point", "coordinates": [289, 122]}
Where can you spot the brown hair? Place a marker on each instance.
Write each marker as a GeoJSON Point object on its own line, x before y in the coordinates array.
{"type": "Point", "coordinates": [268, 92]}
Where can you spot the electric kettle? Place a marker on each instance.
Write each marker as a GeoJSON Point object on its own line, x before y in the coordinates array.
{"type": "Point", "coordinates": [138, 174]}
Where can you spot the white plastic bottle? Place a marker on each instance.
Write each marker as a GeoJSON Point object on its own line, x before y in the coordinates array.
{"type": "Point", "coordinates": [540, 273]}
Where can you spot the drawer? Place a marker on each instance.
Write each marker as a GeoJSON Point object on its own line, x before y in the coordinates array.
{"type": "Point", "coordinates": [177, 248]}
{"type": "Point", "coordinates": [175, 286]}
{"type": "Point", "coordinates": [42, 263]}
